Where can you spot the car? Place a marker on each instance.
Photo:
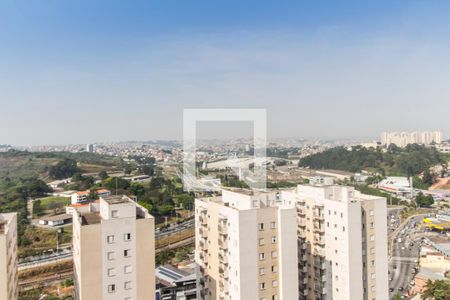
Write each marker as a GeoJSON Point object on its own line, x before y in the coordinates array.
{"type": "Point", "coordinates": [394, 267]}
{"type": "Point", "coordinates": [391, 290]}
{"type": "Point", "coordinates": [400, 289]}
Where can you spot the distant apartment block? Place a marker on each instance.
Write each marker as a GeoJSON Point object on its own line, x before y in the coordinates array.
{"type": "Point", "coordinates": [342, 243]}
{"type": "Point", "coordinates": [401, 139]}
{"type": "Point", "coordinates": [8, 257]}
{"type": "Point", "coordinates": [113, 250]}
{"type": "Point", "coordinates": [90, 148]}
{"type": "Point", "coordinates": [246, 247]}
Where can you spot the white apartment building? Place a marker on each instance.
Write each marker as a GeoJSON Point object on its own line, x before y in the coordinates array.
{"type": "Point", "coordinates": [8, 257]}
{"type": "Point", "coordinates": [114, 250]}
{"type": "Point", "coordinates": [401, 139]}
{"type": "Point", "coordinates": [342, 243]}
{"type": "Point", "coordinates": [245, 247]}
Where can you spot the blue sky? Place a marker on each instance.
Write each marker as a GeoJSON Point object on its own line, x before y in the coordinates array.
{"type": "Point", "coordinates": [90, 71]}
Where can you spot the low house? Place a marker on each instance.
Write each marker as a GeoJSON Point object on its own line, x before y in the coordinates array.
{"type": "Point", "coordinates": [56, 220]}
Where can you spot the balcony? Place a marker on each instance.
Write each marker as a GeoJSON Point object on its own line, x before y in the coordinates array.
{"type": "Point", "coordinates": [301, 233]}
{"type": "Point", "coordinates": [223, 244]}
{"type": "Point", "coordinates": [223, 272]}
{"type": "Point", "coordinates": [319, 241]}
{"type": "Point", "coordinates": [319, 251]}
{"type": "Point", "coordinates": [223, 229]}
{"type": "Point", "coordinates": [301, 212]}
{"type": "Point", "coordinates": [223, 258]}
{"type": "Point", "coordinates": [203, 232]}
{"type": "Point", "coordinates": [301, 223]}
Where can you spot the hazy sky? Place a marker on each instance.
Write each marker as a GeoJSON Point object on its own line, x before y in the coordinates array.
{"type": "Point", "coordinates": [91, 71]}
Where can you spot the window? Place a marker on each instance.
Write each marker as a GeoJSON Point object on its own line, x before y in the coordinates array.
{"type": "Point", "coordinates": [274, 283]}
{"type": "Point", "coordinates": [372, 263]}
{"type": "Point", "coordinates": [262, 271]}
{"type": "Point", "coordinates": [111, 255]}
{"type": "Point", "coordinates": [372, 275]}
{"type": "Point", "coordinates": [111, 288]}
{"type": "Point", "coordinates": [342, 215]}
{"type": "Point", "coordinates": [273, 225]}
{"type": "Point", "coordinates": [372, 237]}
{"type": "Point", "coordinates": [371, 212]}
{"type": "Point", "coordinates": [127, 253]}
{"type": "Point", "coordinates": [261, 226]}
{"type": "Point", "coordinates": [371, 225]}
{"type": "Point", "coordinates": [127, 237]}
{"type": "Point", "coordinates": [261, 242]}
{"type": "Point", "coordinates": [274, 254]}
{"type": "Point", "coordinates": [262, 285]}
{"type": "Point", "coordinates": [111, 272]}
{"type": "Point", "coordinates": [114, 214]}
{"type": "Point", "coordinates": [343, 228]}
{"type": "Point", "coordinates": [274, 269]}
{"type": "Point", "coordinates": [262, 256]}
{"type": "Point", "coordinates": [110, 239]}
{"type": "Point", "coordinates": [127, 269]}
{"type": "Point", "coordinates": [127, 285]}
{"type": "Point", "coordinates": [274, 239]}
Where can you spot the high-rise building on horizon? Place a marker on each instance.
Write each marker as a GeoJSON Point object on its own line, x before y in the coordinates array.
{"type": "Point", "coordinates": [8, 257]}
{"type": "Point", "coordinates": [402, 139]}
{"type": "Point", "coordinates": [113, 250]}
{"type": "Point", "coordinates": [246, 247]}
{"type": "Point", "coordinates": [342, 243]}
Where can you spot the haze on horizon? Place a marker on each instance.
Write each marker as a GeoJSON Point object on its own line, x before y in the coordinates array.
{"type": "Point", "coordinates": [97, 71]}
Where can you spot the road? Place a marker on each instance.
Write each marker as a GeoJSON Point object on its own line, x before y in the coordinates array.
{"type": "Point", "coordinates": [404, 255]}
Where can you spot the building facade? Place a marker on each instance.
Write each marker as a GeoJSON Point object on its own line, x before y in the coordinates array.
{"type": "Point", "coordinates": [114, 250]}
{"type": "Point", "coordinates": [246, 247]}
{"type": "Point", "coordinates": [8, 257]}
{"type": "Point", "coordinates": [401, 139]}
{"type": "Point", "coordinates": [342, 243]}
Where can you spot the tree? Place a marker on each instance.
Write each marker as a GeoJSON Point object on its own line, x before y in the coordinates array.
{"type": "Point", "coordinates": [424, 201]}
{"type": "Point", "coordinates": [397, 297]}
{"type": "Point", "coordinates": [128, 169]}
{"type": "Point", "coordinates": [427, 177]}
{"type": "Point", "coordinates": [64, 169]}
{"type": "Point", "coordinates": [103, 175]}
{"type": "Point", "coordinates": [186, 200]}
{"type": "Point", "coordinates": [148, 170]}
{"type": "Point", "coordinates": [165, 209]}
{"type": "Point", "coordinates": [437, 290]}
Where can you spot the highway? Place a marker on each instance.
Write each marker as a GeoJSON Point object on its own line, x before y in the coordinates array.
{"type": "Point", "coordinates": [404, 256]}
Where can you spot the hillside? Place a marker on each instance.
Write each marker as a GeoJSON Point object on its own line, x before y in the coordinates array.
{"type": "Point", "coordinates": [22, 164]}
{"type": "Point", "coordinates": [409, 161]}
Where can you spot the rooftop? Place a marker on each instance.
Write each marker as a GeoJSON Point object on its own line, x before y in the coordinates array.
{"type": "Point", "coordinates": [120, 199]}
{"type": "Point", "coordinates": [90, 218]}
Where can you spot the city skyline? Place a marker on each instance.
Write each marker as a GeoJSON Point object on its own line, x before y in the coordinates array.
{"type": "Point", "coordinates": [113, 72]}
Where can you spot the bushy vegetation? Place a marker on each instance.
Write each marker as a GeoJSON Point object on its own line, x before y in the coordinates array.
{"type": "Point", "coordinates": [408, 161]}
{"type": "Point", "coordinates": [64, 169]}
{"type": "Point", "coordinates": [14, 194]}
{"type": "Point", "coordinates": [437, 290]}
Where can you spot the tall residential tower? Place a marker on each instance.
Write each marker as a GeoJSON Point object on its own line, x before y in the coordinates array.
{"type": "Point", "coordinates": [246, 247]}
{"type": "Point", "coordinates": [8, 256]}
{"type": "Point", "coordinates": [113, 250]}
{"type": "Point", "coordinates": [342, 243]}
